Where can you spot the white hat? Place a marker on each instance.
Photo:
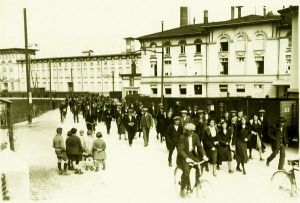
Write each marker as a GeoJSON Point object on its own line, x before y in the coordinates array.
{"type": "Point", "coordinates": [190, 126]}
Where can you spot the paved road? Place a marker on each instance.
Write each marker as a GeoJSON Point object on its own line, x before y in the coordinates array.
{"type": "Point", "coordinates": [133, 174]}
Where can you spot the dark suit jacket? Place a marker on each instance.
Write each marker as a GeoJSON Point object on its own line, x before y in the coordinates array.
{"type": "Point", "coordinates": [172, 136]}
{"type": "Point", "coordinates": [183, 149]}
{"type": "Point", "coordinates": [127, 121]}
{"type": "Point", "coordinates": [146, 121]}
{"type": "Point", "coordinates": [275, 133]}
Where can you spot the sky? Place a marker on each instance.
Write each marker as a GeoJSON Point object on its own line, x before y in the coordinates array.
{"type": "Point", "coordinates": [67, 27]}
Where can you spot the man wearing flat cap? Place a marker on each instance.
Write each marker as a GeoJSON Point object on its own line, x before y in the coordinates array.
{"type": "Point", "coordinates": [189, 150]}
{"type": "Point", "coordinates": [264, 125]}
{"type": "Point", "coordinates": [172, 136]}
{"type": "Point", "coordinates": [130, 125]}
{"type": "Point", "coordinates": [185, 119]}
{"type": "Point", "coordinates": [279, 139]}
{"type": "Point", "coordinates": [145, 124]}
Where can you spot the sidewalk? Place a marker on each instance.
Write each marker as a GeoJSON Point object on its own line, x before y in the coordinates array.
{"type": "Point", "coordinates": [134, 174]}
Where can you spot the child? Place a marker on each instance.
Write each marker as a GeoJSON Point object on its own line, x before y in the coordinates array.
{"type": "Point", "coordinates": [99, 147]}
{"type": "Point", "coordinates": [88, 151]}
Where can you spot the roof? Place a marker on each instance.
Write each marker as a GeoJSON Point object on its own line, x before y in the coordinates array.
{"type": "Point", "coordinates": [202, 29]}
{"type": "Point", "coordinates": [17, 51]}
{"type": "Point", "coordinates": [289, 10]}
{"type": "Point", "coordinates": [66, 58]}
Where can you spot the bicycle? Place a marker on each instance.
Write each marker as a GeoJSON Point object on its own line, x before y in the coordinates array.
{"type": "Point", "coordinates": [201, 187]}
{"type": "Point", "coordinates": [285, 180]}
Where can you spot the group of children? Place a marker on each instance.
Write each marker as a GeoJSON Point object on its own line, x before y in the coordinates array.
{"type": "Point", "coordinates": [79, 151]}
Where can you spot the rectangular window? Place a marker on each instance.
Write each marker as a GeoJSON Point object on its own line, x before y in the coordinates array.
{"type": "Point", "coordinates": [168, 90]}
{"type": "Point", "coordinates": [198, 48]}
{"type": "Point", "coordinates": [167, 62]}
{"type": "Point", "coordinates": [223, 88]}
{"type": "Point", "coordinates": [240, 88]}
{"type": "Point", "coordinates": [84, 72]}
{"type": "Point", "coordinates": [260, 67]}
{"type": "Point", "coordinates": [224, 46]}
{"type": "Point", "coordinates": [154, 68]}
{"type": "Point", "coordinates": [167, 50]}
{"type": "Point", "coordinates": [182, 49]}
{"type": "Point", "coordinates": [154, 89]}
{"type": "Point", "coordinates": [182, 89]}
{"type": "Point", "coordinates": [98, 72]}
{"type": "Point", "coordinates": [224, 63]}
{"type": "Point", "coordinates": [198, 89]}
{"type": "Point", "coordinates": [92, 74]}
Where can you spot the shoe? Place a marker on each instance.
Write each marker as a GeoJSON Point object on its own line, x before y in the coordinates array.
{"type": "Point", "coordinates": [97, 169]}
{"type": "Point", "coordinates": [206, 169]}
{"type": "Point", "coordinates": [130, 145]}
{"type": "Point", "coordinates": [157, 137]}
{"type": "Point", "coordinates": [86, 168]}
{"type": "Point", "coordinates": [76, 171]}
{"type": "Point", "coordinates": [238, 169]}
{"type": "Point", "coordinates": [60, 172]}
{"type": "Point", "coordinates": [66, 173]}
{"type": "Point", "coordinates": [91, 168]}
{"type": "Point", "coordinates": [80, 172]}
{"type": "Point", "coordinates": [244, 172]}
{"type": "Point", "coordinates": [261, 159]}
{"type": "Point", "coordinates": [214, 174]}
{"type": "Point", "coordinates": [170, 164]}
{"type": "Point", "coordinates": [268, 163]}
{"type": "Point", "coordinates": [250, 157]}
{"type": "Point", "coordinates": [218, 167]}
{"type": "Point", "coordinates": [230, 171]}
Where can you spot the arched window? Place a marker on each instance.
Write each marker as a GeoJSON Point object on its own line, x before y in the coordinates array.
{"type": "Point", "coordinates": [241, 43]}
{"type": "Point", "coordinates": [259, 43]}
{"type": "Point", "coordinates": [197, 43]}
{"type": "Point", "coordinates": [223, 44]}
{"type": "Point", "coordinates": [153, 46]}
{"type": "Point", "coordinates": [182, 44]}
{"type": "Point", "coordinates": [167, 46]}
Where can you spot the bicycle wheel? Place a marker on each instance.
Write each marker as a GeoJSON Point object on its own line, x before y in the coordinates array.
{"type": "Point", "coordinates": [204, 189]}
{"type": "Point", "coordinates": [280, 182]}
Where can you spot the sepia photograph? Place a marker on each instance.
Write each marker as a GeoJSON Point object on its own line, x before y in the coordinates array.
{"type": "Point", "coordinates": [155, 101]}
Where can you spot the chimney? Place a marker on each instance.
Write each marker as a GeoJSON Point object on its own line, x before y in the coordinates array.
{"type": "Point", "coordinates": [183, 16]}
{"type": "Point", "coordinates": [239, 11]}
{"type": "Point", "coordinates": [205, 16]}
{"type": "Point", "coordinates": [232, 12]}
{"type": "Point", "coordinates": [264, 11]}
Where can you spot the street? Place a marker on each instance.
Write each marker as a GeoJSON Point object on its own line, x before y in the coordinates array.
{"type": "Point", "coordinates": [133, 174]}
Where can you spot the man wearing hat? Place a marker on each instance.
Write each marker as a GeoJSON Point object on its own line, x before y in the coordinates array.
{"type": "Point", "coordinates": [145, 124]}
{"type": "Point", "coordinates": [172, 136]}
{"type": "Point", "coordinates": [107, 119]}
{"type": "Point", "coordinates": [187, 153]}
{"type": "Point", "coordinates": [279, 139]}
{"type": "Point", "coordinates": [194, 115]}
{"type": "Point", "coordinates": [185, 119]}
{"type": "Point", "coordinates": [233, 113]}
{"type": "Point", "coordinates": [130, 125]}
{"type": "Point", "coordinates": [177, 108]}
{"type": "Point", "coordinates": [264, 125]}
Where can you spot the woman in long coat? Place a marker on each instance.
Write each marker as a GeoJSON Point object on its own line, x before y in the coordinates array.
{"type": "Point", "coordinates": [242, 135]}
{"type": "Point", "coordinates": [121, 126]}
{"type": "Point", "coordinates": [224, 150]}
{"type": "Point", "coordinates": [255, 141]}
{"type": "Point", "coordinates": [99, 154]}
{"type": "Point", "coordinates": [211, 144]}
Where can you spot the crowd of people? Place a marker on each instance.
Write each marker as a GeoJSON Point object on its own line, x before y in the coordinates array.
{"type": "Point", "coordinates": [193, 132]}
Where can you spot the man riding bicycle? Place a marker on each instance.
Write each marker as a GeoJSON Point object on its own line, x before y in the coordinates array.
{"type": "Point", "coordinates": [187, 153]}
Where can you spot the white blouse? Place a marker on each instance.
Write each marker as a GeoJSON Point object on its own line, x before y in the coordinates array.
{"type": "Point", "coordinates": [213, 131]}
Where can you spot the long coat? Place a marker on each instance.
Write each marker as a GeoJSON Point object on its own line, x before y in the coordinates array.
{"type": "Point", "coordinates": [172, 136]}
{"type": "Point", "coordinates": [146, 121]}
{"type": "Point", "coordinates": [121, 125]}
{"type": "Point", "coordinates": [241, 144]}
{"type": "Point", "coordinates": [255, 127]}
{"type": "Point", "coordinates": [209, 141]}
{"type": "Point", "coordinates": [224, 153]}
{"type": "Point", "coordinates": [127, 122]}
{"type": "Point", "coordinates": [99, 144]}
{"type": "Point", "coordinates": [73, 145]}
{"type": "Point", "coordinates": [183, 150]}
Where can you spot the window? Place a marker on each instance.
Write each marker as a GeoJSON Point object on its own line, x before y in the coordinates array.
{"type": "Point", "coordinates": [198, 45]}
{"type": "Point", "coordinates": [259, 43]}
{"type": "Point", "coordinates": [84, 63]}
{"type": "Point", "coordinates": [168, 62]}
{"type": "Point", "coordinates": [224, 64]}
{"type": "Point", "coordinates": [240, 88]}
{"type": "Point", "coordinates": [224, 44]}
{"type": "Point", "coordinates": [182, 89]}
{"type": "Point", "coordinates": [167, 47]}
{"type": "Point", "coordinates": [91, 63]}
{"type": "Point", "coordinates": [168, 90]}
{"type": "Point", "coordinates": [241, 43]}
{"type": "Point", "coordinates": [98, 72]}
{"type": "Point", "coordinates": [154, 89]}
{"type": "Point", "coordinates": [258, 86]}
{"type": "Point", "coordinates": [92, 74]}
{"type": "Point", "coordinates": [260, 65]}
{"type": "Point", "coordinates": [198, 89]}
{"type": "Point", "coordinates": [182, 44]}
{"type": "Point", "coordinates": [131, 81]}
{"type": "Point", "coordinates": [223, 88]}
{"type": "Point", "coordinates": [84, 72]}
{"type": "Point", "coordinates": [154, 68]}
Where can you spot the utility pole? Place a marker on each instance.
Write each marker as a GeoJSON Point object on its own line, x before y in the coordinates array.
{"type": "Point", "coordinates": [50, 85]}
{"type": "Point", "coordinates": [113, 80]}
{"type": "Point", "coordinates": [162, 66]}
{"type": "Point", "coordinates": [29, 96]}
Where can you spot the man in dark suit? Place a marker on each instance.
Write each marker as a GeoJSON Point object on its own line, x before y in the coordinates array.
{"type": "Point", "coordinates": [108, 118]}
{"type": "Point", "coordinates": [279, 142]}
{"type": "Point", "coordinates": [90, 120]}
{"type": "Point", "coordinates": [265, 127]}
{"type": "Point", "coordinates": [187, 145]}
{"type": "Point", "coordinates": [145, 124]}
{"type": "Point", "coordinates": [130, 125]}
{"type": "Point", "coordinates": [75, 110]}
{"type": "Point", "coordinates": [172, 137]}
